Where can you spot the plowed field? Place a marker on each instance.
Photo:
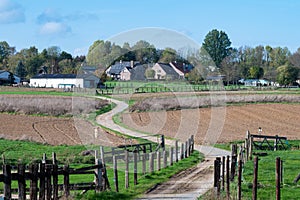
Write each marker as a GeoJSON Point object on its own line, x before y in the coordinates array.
{"type": "Point", "coordinates": [220, 124]}
{"type": "Point", "coordinates": [54, 131]}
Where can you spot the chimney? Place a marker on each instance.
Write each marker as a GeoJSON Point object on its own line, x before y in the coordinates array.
{"type": "Point", "coordinates": [131, 63]}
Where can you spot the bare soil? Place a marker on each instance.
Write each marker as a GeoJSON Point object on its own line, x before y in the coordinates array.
{"type": "Point", "coordinates": [223, 124]}
{"type": "Point", "coordinates": [54, 131]}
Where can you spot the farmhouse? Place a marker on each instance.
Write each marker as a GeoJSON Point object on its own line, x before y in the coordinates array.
{"type": "Point", "coordinates": [7, 77]}
{"type": "Point", "coordinates": [121, 70]}
{"type": "Point", "coordinates": [165, 72]}
{"type": "Point", "coordinates": [256, 82]}
{"type": "Point", "coordinates": [65, 80]}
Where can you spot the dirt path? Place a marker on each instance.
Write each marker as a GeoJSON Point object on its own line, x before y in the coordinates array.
{"type": "Point", "coordinates": [188, 184]}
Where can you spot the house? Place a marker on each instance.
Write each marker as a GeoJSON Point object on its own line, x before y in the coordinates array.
{"type": "Point", "coordinates": [138, 72]}
{"type": "Point", "coordinates": [181, 68]}
{"type": "Point", "coordinates": [6, 76]}
{"type": "Point", "coordinates": [165, 72]}
{"type": "Point", "coordinates": [256, 82]}
{"type": "Point", "coordinates": [65, 80]}
{"type": "Point", "coordinates": [121, 67]}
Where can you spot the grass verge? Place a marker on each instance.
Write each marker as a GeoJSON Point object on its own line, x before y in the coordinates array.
{"type": "Point", "coordinates": [145, 182]}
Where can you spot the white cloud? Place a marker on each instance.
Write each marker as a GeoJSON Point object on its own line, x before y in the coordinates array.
{"type": "Point", "coordinates": [54, 28]}
{"type": "Point", "coordinates": [11, 12]}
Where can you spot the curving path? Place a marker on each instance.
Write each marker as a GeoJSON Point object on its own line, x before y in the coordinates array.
{"type": "Point", "coordinates": [188, 184]}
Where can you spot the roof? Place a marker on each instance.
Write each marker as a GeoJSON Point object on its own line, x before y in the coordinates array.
{"type": "Point", "coordinates": [168, 69]}
{"type": "Point", "coordinates": [40, 76]}
{"type": "Point", "coordinates": [183, 67]}
{"type": "Point", "coordinates": [117, 68]}
{"type": "Point", "coordinates": [138, 73]}
{"type": "Point", "coordinates": [215, 77]}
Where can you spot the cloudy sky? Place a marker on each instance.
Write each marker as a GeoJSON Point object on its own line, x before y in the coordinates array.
{"type": "Point", "coordinates": [75, 25]}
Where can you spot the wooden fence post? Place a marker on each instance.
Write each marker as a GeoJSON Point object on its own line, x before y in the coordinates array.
{"type": "Point", "coordinates": [135, 168]}
{"type": "Point", "coordinates": [33, 170]}
{"type": "Point", "coordinates": [115, 167]}
{"type": "Point", "coordinates": [240, 180]}
{"type": "Point", "coordinates": [158, 160]}
{"type": "Point", "coordinates": [255, 174]}
{"type": "Point", "coordinates": [278, 163]}
{"type": "Point", "coordinates": [42, 181]}
{"type": "Point", "coordinates": [186, 149]}
{"type": "Point", "coordinates": [126, 169]}
{"type": "Point", "coordinates": [66, 181]}
{"type": "Point", "coordinates": [165, 158]}
{"type": "Point", "coordinates": [176, 151]}
{"type": "Point", "coordinates": [144, 163]}
{"type": "Point", "coordinates": [217, 164]}
{"type": "Point", "coordinates": [250, 147]}
{"type": "Point", "coordinates": [55, 181]}
{"type": "Point", "coordinates": [7, 181]}
{"type": "Point", "coordinates": [228, 178]}
{"type": "Point", "coordinates": [223, 172]}
{"type": "Point", "coordinates": [233, 160]}
{"type": "Point", "coordinates": [48, 181]}
{"type": "Point", "coordinates": [182, 151]}
{"type": "Point", "coordinates": [171, 156]}
{"type": "Point", "coordinates": [151, 162]}
{"type": "Point", "coordinates": [193, 143]}
{"type": "Point", "coordinates": [21, 182]}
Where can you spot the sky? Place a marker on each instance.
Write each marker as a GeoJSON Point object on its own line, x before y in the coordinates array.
{"type": "Point", "coordinates": [75, 25]}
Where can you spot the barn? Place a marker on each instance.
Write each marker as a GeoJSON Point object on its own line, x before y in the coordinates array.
{"type": "Point", "coordinates": [64, 80]}
{"type": "Point", "coordinates": [7, 77]}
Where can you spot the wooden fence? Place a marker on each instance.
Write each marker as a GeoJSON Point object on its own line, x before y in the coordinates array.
{"type": "Point", "coordinates": [43, 177]}
{"type": "Point", "coordinates": [227, 168]}
{"type": "Point", "coordinates": [138, 163]}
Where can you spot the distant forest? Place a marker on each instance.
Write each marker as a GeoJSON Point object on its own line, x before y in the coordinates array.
{"type": "Point", "coordinates": [272, 63]}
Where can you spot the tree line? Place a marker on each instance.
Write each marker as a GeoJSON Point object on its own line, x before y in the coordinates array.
{"type": "Point", "coordinates": [29, 61]}
{"type": "Point", "coordinates": [216, 56]}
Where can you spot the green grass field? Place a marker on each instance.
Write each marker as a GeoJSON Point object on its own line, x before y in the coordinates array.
{"type": "Point", "coordinates": [27, 152]}
{"type": "Point", "coordinates": [266, 173]}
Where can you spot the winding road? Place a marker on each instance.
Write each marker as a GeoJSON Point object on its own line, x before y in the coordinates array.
{"type": "Point", "coordinates": [188, 184]}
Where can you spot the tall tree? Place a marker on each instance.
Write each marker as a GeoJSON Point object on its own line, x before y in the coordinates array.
{"type": "Point", "coordinates": [20, 70]}
{"type": "Point", "coordinates": [217, 45]}
{"type": "Point", "coordinates": [53, 54]}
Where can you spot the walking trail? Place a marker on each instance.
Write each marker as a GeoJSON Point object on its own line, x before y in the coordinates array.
{"type": "Point", "coordinates": [188, 184]}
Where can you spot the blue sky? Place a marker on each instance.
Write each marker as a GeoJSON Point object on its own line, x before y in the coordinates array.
{"type": "Point", "coordinates": [75, 25]}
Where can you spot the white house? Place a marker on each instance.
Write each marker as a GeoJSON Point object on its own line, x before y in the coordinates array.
{"type": "Point", "coordinates": [64, 80]}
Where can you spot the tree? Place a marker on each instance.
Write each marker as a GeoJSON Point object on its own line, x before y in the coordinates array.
{"type": "Point", "coordinates": [295, 58]}
{"type": "Point", "coordinates": [53, 55]}
{"type": "Point", "coordinates": [149, 73]}
{"type": "Point", "coordinates": [5, 52]}
{"type": "Point", "coordinates": [145, 52]}
{"type": "Point", "coordinates": [194, 76]}
{"type": "Point", "coordinates": [217, 45]}
{"type": "Point", "coordinates": [230, 67]}
{"type": "Point", "coordinates": [20, 70]}
{"type": "Point", "coordinates": [168, 55]}
{"type": "Point", "coordinates": [286, 75]}
{"type": "Point", "coordinates": [256, 72]}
